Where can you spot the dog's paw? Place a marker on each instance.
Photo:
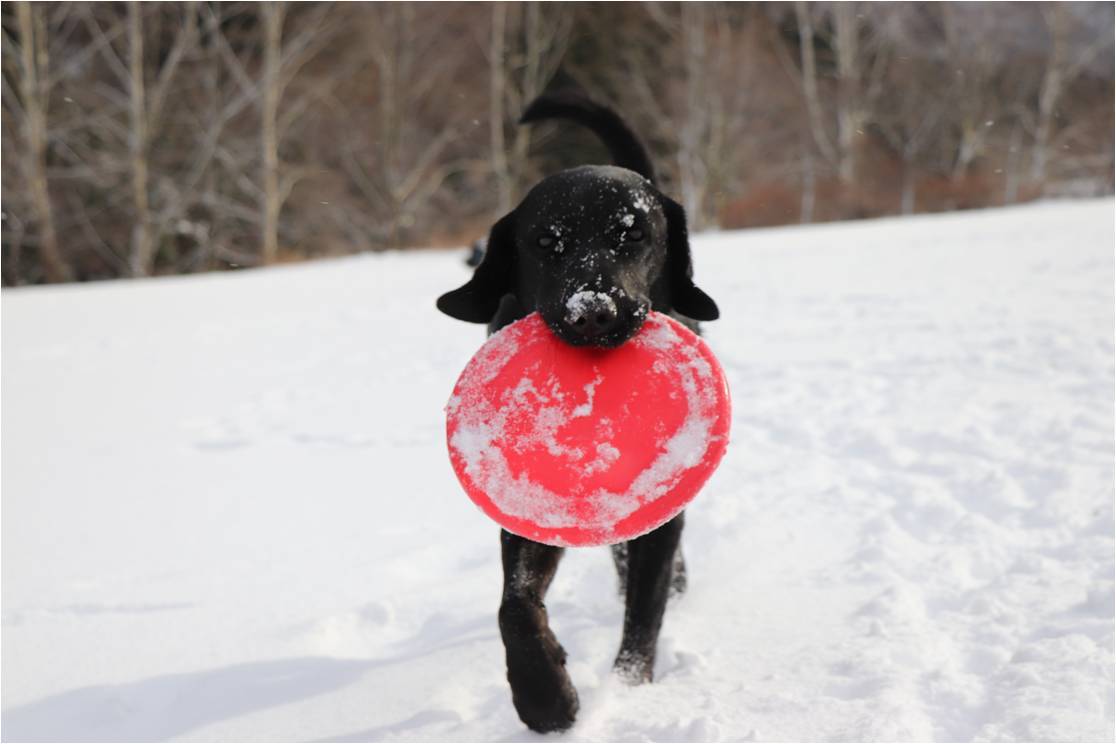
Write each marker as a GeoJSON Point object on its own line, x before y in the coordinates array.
{"type": "Point", "coordinates": [547, 711]}
{"type": "Point", "coordinates": [634, 668]}
{"type": "Point", "coordinates": [543, 695]}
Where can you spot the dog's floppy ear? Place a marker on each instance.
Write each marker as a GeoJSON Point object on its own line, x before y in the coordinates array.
{"type": "Point", "coordinates": [478, 300]}
{"type": "Point", "coordinates": [685, 297]}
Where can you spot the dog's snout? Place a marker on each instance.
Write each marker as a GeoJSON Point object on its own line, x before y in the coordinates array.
{"type": "Point", "coordinates": [591, 314]}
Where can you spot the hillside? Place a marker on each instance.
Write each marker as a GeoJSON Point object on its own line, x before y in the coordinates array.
{"type": "Point", "coordinates": [228, 513]}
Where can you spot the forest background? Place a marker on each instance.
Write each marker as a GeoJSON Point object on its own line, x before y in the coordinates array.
{"type": "Point", "coordinates": [165, 138]}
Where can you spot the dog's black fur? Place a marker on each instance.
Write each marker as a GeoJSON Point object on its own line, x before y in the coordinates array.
{"type": "Point", "coordinates": [592, 250]}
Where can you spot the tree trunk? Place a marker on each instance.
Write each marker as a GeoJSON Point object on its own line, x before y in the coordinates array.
{"type": "Point", "coordinates": [1051, 91]}
{"type": "Point", "coordinates": [496, 107]}
{"type": "Point", "coordinates": [691, 167]}
{"type": "Point", "coordinates": [211, 83]}
{"type": "Point", "coordinates": [534, 47]}
{"type": "Point", "coordinates": [810, 80]}
{"type": "Point", "coordinates": [142, 258]}
{"type": "Point", "coordinates": [848, 113]}
{"type": "Point", "coordinates": [1011, 168]}
{"type": "Point", "coordinates": [907, 200]}
{"type": "Point", "coordinates": [33, 50]}
{"type": "Point", "coordinates": [273, 14]}
{"type": "Point", "coordinates": [969, 147]}
{"type": "Point", "coordinates": [809, 188]}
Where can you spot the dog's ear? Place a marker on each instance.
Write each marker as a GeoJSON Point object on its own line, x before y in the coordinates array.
{"type": "Point", "coordinates": [685, 297]}
{"type": "Point", "coordinates": [478, 299]}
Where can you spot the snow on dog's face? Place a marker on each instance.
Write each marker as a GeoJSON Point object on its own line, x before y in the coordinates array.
{"type": "Point", "coordinates": [590, 244]}
{"type": "Point", "coordinates": [592, 250]}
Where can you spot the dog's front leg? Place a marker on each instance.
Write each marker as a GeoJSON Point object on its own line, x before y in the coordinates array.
{"type": "Point", "coordinates": [650, 561]}
{"type": "Point", "coordinates": [542, 692]}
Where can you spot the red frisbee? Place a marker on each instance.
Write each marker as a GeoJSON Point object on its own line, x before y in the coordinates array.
{"type": "Point", "coordinates": [577, 446]}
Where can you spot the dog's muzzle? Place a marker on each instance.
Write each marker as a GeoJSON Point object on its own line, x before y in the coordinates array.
{"type": "Point", "coordinates": [591, 314]}
{"type": "Point", "coordinates": [593, 318]}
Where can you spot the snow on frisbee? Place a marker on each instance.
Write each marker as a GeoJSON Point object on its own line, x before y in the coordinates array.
{"type": "Point", "coordinates": [578, 446]}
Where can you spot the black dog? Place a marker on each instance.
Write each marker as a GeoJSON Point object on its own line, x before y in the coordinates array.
{"type": "Point", "coordinates": [592, 249]}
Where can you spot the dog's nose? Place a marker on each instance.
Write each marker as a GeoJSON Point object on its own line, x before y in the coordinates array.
{"type": "Point", "coordinates": [591, 314]}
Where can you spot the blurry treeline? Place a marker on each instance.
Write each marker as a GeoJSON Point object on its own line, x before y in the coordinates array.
{"type": "Point", "coordinates": [150, 138]}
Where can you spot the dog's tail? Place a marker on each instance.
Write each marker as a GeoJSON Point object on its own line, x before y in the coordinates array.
{"type": "Point", "coordinates": [623, 145]}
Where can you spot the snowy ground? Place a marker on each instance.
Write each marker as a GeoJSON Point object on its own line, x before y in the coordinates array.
{"type": "Point", "coordinates": [228, 513]}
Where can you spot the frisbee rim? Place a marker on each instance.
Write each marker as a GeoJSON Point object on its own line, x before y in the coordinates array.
{"type": "Point", "coordinates": [685, 482]}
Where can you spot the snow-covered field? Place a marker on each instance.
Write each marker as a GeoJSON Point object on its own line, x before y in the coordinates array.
{"type": "Point", "coordinates": [228, 513]}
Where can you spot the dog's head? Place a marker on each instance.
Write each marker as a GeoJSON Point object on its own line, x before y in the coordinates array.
{"type": "Point", "coordinates": [592, 249]}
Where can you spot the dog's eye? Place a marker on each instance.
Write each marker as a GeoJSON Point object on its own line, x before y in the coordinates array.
{"type": "Point", "coordinates": [546, 241]}
{"type": "Point", "coordinates": [634, 236]}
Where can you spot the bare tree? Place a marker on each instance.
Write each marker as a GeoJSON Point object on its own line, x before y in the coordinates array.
{"type": "Point", "coordinates": [909, 116]}
{"type": "Point", "coordinates": [188, 136]}
{"type": "Point", "coordinates": [972, 65]}
{"type": "Point", "coordinates": [695, 127]}
{"type": "Point", "coordinates": [858, 60]}
{"type": "Point", "coordinates": [1064, 62]}
{"type": "Point", "coordinates": [415, 120]}
{"type": "Point", "coordinates": [839, 70]}
{"type": "Point", "coordinates": [907, 120]}
{"type": "Point", "coordinates": [142, 252]}
{"type": "Point", "coordinates": [699, 109]}
{"type": "Point", "coordinates": [33, 74]}
{"type": "Point", "coordinates": [518, 73]}
{"type": "Point", "coordinates": [812, 99]}
{"type": "Point", "coordinates": [282, 61]}
{"type": "Point", "coordinates": [143, 104]}
{"type": "Point", "coordinates": [273, 14]}
{"type": "Point", "coordinates": [496, 113]}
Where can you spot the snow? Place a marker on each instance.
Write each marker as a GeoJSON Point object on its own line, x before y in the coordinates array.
{"type": "Point", "coordinates": [688, 446]}
{"type": "Point", "coordinates": [580, 304]}
{"type": "Point", "coordinates": [229, 514]}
